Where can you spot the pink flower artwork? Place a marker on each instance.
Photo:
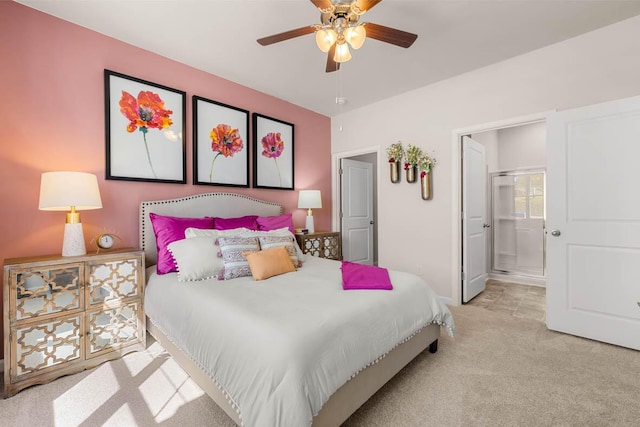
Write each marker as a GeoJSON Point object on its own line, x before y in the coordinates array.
{"type": "Point", "coordinates": [272, 147]}
{"type": "Point", "coordinates": [225, 141]}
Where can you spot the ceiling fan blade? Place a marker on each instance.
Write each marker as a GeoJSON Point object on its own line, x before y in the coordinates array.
{"type": "Point", "coordinates": [390, 35]}
{"type": "Point", "coordinates": [365, 5]}
{"type": "Point", "coordinates": [322, 4]}
{"type": "Point", "coordinates": [331, 64]}
{"type": "Point", "coordinates": [265, 41]}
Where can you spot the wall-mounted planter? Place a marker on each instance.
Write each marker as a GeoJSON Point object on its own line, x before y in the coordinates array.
{"type": "Point", "coordinates": [425, 185]}
{"type": "Point", "coordinates": [394, 172]}
{"type": "Point", "coordinates": [412, 173]}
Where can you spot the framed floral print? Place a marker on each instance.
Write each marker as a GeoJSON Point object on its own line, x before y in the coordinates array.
{"type": "Point", "coordinates": [220, 146]}
{"type": "Point", "coordinates": [273, 153]}
{"type": "Point", "coordinates": [145, 128]}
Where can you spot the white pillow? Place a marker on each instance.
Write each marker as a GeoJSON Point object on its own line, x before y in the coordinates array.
{"type": "Point", "coordinates": [199, 232]}
{"type": "Point", "coordinates": [196, 258]}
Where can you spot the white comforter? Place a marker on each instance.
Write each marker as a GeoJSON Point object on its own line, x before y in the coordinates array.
{"type": "Point", "coordinates": [279, 348]}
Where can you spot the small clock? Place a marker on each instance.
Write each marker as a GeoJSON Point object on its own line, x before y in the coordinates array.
{"type": "Point", "coordinates": [106, 240]}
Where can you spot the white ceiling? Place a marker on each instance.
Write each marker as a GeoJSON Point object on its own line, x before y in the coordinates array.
{"type": "Point", "coordinates": [454, 36]}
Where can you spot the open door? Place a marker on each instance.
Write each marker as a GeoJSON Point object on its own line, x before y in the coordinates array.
{"type": "Point", "coordinates": [593, 222]}
{"type": "Point", "coordinates": [474, 223]}
{"type": "Point", "coordinates": [357, 211]}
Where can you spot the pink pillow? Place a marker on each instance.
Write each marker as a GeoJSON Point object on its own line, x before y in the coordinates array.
{"type": "Point", "coordinates": [266, 223]}
{"type": "Point", "coordinates": [168, 229]}
{"type": "Point", "coordinates": [248, 221]}
{"type": "Point", "coordinates": [359, 276]}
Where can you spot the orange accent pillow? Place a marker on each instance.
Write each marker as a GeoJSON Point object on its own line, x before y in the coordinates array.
{"type": "Point", "coordinates": [269, 262]}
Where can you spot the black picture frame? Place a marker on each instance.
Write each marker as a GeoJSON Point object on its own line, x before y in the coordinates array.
{"type": "Point", "coordinates": [215, 163]}
{"type": "Point", "coordinates": [273, 153]}
{"type": "Point", "coordinates": [150, 147]}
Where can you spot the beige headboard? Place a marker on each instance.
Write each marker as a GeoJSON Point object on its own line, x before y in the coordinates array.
{"type": "Point", "coordinates": [224, 205]}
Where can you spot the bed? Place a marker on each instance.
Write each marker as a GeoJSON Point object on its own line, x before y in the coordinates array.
{"type": "Point", "coordinates": [294, 349]}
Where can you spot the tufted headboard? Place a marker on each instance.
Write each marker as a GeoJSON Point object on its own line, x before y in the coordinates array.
{"type": "Point", "coordinates": [224, 205]}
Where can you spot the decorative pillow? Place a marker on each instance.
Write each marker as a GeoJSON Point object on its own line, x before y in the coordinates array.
{"type": "Point", "coordinates": [359, 276]}
{"type": "Point", "coordinates": [195, 258]}
{"type": "Point", "coordinates": [269, 242]}
{"type": "Point", "coordinates": [248, 221]}
{"type": "Point", "coordinates": [266, 223]}
{"type": "Point", "coordinates": [234, 262]}
{"type": "Point", "coordinates": [279, 232]}
{"type": "Point", "coordinates": [269, 262]}
{"type": "Point", "coordinates": [169, 229]}
{"type": "Point", "coordinates": [213, 234]}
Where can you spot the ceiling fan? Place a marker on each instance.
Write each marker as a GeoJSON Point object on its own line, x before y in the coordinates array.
{"type": "Point", "coordinates": [340, 28]}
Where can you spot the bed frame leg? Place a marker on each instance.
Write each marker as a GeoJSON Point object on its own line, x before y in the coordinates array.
{"type": "Point", "coordinates": [433, 347]}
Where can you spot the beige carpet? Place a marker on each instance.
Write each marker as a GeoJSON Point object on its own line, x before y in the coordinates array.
{"type": "Point", "coordinates": [498, 371]}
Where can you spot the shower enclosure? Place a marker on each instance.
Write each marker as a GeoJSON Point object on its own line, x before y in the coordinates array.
{"type": "Point", "coordinates": [518, 214]}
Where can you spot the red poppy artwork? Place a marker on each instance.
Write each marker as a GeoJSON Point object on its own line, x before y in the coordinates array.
{"type": "Point", "coordinates": [220, 153]}
{"type": "Point", "coordinates": [145, 112]}
{"type": "Point", "coordinates": [225, 141]}
{"type": "Point", "coordinates": [145, 127]}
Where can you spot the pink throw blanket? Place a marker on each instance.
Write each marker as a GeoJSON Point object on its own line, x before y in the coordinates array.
{"type": "Point", "coordinates": [359, 276]}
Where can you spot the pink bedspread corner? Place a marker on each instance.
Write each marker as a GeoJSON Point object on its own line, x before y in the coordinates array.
{"type": "Point", "coordinates": [359, 276]}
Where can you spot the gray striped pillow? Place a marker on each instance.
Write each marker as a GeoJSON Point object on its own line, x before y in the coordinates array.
{"type": "Point", "coordinates": [268, 242]}
{"type": "Point", "coordinates": [234, 264]}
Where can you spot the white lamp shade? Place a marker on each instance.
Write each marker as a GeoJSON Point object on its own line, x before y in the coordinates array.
{"type": "Point", "coordinates": [309, 199]}
{"type": "Point", "coordinates": [325, 39]}
{"type": "Point", "coordinates": [356, 36]}
{"type": "Point", "coordinates": [342, 53]}
{"type": "Point", "coordinates": [61, 190]}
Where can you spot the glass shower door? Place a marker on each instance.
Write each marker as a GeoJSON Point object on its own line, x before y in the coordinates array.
{"type": "Point", "coordinates": [518, 223]}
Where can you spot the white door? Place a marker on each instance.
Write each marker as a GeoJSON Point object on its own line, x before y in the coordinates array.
{"type": "Point", "coordinates": [357, 211]}
{"type": "Point", "coordinates": [474, 223]}
{"type": "Point", "coordinates": [593, 222]}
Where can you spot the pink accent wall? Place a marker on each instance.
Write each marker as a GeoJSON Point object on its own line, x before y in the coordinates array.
{"type": "Point", "coordinates": [52, 116]}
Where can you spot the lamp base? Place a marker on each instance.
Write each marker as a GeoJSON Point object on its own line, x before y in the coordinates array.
{"type": "Point", "coordinates": [309, 224]}
{"type": "Point", "coordinates": [73, 243]}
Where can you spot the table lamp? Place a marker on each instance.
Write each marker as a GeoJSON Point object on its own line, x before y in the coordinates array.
{"type": "Point", "coordinates": [309, 199]}
{"type": "Point", "coordinates": [72, 191]}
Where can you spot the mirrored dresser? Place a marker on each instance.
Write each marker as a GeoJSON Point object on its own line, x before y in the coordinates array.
{"type": "Point", "coordinates": [63, 315]}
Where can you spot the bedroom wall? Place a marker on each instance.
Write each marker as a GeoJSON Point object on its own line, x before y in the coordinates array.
{"type": "Point", "coordinates": [596, 67]}
{"type": "Point", "coordinates": [522, 147]}
{"type": "Point", "coordinates": [52, 115]}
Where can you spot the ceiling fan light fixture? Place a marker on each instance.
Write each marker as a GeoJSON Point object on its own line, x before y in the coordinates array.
{"type": "Point", "coordinates": [340, 30]}
{"type": "Point", "coordinates": [342, 53]}
{"type": "Point", "coordinates": [356, 36]}
{"type": "Point", "coordinates": [325, 39]}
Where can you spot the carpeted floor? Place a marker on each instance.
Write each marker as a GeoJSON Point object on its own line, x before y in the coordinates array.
{"type": "Point", "coordinates": [499, 370]}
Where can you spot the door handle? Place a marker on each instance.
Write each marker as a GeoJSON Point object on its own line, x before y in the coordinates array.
{"type": "Point", "coordinates": [486, 225]}
{"type": "Point", "coordinates": [555, 233]}
{"type": "Point", "coordinates": [371, 222]}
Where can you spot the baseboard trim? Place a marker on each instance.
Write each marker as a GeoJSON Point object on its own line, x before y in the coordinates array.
{"type": "Point", "coordinates": [445, 300]}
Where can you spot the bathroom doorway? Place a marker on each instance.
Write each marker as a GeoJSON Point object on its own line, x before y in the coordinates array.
{"type": "Point", "coordinates": [516, 166]}
{"type": "Point", "coordinates": [518, 223]}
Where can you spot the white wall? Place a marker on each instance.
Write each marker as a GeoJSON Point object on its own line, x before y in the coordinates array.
{"type": "Point", "coordinates": [417, 235]}
{"type": "Point", "coordinates": [522, 147]}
